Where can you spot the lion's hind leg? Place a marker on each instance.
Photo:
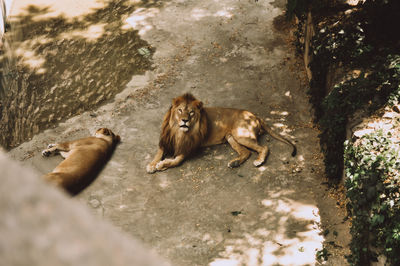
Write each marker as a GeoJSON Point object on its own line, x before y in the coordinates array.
{"type": "Point", "coordinates": [252, 144]}
{"type": "Point", "coordinates": [244, 153]}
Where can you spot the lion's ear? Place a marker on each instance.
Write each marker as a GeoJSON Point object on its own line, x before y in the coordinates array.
{"type": "Point", "coordinates": [198, 104]}
{"type": "Point", "coordinates": [176, 101]}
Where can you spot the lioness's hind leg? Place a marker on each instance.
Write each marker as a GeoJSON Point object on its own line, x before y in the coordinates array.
{"type": "Point", "coordinates": [252, 144]}
{"type": "Point", "coordinates": [242, 151]}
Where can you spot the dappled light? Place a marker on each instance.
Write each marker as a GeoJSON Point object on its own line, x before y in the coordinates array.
{"type": "Point", "coordinates": [284, 113]}
{"type": "Point", "coordinates": [31, 60]}
{"type": "Point", "coordinates": [199, 13]}
{"type": "Point", "coordinates": [164, 182]}
{"type": "Point", "coordinates": [67, 63]}
{"type": "Point", "coordinates": [262, 168]}
{"type": "Point", "coordinates": [91, 33]}
{"type": "Point", "coordinates": [45, 9]}
{"type": "Point", "coordinates": [293, 242]}
{"type": "Point", "coordinates": [279, 125]}
{"type": "Point", "coordinates": [301, 158]}
{"type": "Point", "coordinates": [245, 133]}
{"type": "Point", "coordinates": [138, 19]}
{"type": "Point", "coordinates": [283, 128]}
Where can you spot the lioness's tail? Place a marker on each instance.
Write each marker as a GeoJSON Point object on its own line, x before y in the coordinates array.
{"type": "Point", "coordinates": [277, 136]}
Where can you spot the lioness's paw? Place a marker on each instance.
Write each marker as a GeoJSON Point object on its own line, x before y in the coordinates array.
{"type": "Point", "coordinates": [150, 169]}
{"type": "Point", "coordinates": [46, 153]}
{"type": "Point", "coordinates": [234, 163]}
{"type": "Point", "coordinates": [51, 145]}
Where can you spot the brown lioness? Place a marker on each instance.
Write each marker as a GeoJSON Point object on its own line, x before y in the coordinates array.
{"type": "Point", "coordinates": [84, 158]}
{"type": "Point", "coordinates": [188, 125]}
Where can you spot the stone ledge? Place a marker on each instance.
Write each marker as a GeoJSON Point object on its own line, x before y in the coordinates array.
{"type": "Point", "coordinates": [42, 226]}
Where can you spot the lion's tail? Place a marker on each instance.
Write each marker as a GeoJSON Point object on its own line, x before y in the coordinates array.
{"type": "Point", "coordinates": [277, 136]}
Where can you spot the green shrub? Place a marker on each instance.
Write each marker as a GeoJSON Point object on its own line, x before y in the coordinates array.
{"type": "Point", "coordinates": [366, 40]}
{"type": "Point", "coordinates": [371, 91]}
{"type": "Point", "coordinates": [345, 43]}
{"type": "Point", "coordinates": [372, 169]}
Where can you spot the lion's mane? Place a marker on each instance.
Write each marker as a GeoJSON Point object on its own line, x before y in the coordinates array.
{"type": "Point", "coordinates": [172, 141]}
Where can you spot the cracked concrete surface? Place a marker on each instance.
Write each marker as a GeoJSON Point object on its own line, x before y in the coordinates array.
{"type": "Point", "coordinates": [227, 53]}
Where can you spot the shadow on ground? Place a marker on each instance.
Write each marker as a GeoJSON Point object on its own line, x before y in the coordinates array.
{"type": "Point", "coordinates": [57, 67]}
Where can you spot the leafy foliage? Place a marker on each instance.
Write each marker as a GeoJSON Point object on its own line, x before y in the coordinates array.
{"type": "Point", "coordinates": [365, 39]}
{"type": "Point", "coordinates": [346, 43]}
{"type": "Point", "coordinates": [368, 89]}
{"type": "Point", "coordinates": [373, 186]}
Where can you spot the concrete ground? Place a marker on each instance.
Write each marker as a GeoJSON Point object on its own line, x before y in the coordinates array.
{"type": "Point", "coordinates": [227, 53]}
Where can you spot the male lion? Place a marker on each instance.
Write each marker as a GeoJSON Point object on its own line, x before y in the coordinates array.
{"type": "Point", "coordinates": [188, 125]}
{"type": "Point", "coordinates": [84, 158]}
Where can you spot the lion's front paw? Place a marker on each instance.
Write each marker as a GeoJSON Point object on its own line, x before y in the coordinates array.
{"type": "Point", "coordinates": [151, 168]}
{"type": "Point", "coordinates": [160, 166]}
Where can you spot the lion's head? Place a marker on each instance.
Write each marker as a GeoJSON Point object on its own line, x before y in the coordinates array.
{"type": "Point", "coordinates": [184, 126]}
{"type": "Point", "coordinates": [107, 134]}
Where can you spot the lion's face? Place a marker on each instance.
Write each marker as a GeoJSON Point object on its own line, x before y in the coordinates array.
{"type": "Point", "coordinates": [185, 113]}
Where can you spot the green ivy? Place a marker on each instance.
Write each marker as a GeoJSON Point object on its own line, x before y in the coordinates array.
{"type": "Point", "coordinates": [395, 96]}
{"type": "Point", "coordinates": [366, 40]}
{"type": "Point", "coordinates": [346, 44]}
{"type": "Point", "coordinates": [372, 168]}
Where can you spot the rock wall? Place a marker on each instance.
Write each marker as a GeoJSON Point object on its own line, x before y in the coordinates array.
{"type": "Point", "coordinates": [56, 66]}
{"type": "Point", "coordinates": [40, 225]}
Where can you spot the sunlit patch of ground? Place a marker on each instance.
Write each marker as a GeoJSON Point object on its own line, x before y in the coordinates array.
{"type": "Point", "coordinates": [294, 241]}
